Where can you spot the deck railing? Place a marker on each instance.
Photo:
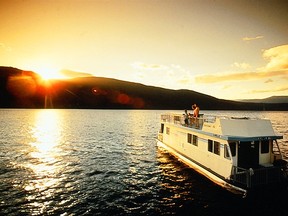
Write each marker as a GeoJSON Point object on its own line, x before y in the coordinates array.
{"type": "Point", "coordinates": [179, 120]}
{"type": "Point", "coordinates": [250, 178]}
{"type": "Point", "coordinates": [208, 118]}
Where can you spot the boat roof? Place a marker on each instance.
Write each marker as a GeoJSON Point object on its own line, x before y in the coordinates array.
{"type": "Point", "coordinates": [230, 128]}
{"type": "Point", "coordinates": [244, 139]}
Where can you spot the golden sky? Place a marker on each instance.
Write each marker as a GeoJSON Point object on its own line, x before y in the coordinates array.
{"type": "Point", "coordinates": [228, 49]}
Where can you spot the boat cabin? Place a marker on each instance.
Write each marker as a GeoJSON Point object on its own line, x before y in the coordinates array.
{"type": "Point", "coordinates": [238, 151]}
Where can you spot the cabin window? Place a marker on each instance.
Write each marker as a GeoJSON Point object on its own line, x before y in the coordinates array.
{"type": "Point", "coordinates": [162, 128]}
{"type": "Point", "coordinates": [264, 146]}
{"type": "Point", "coordinates": [167, 130]}
{"type": "Point", "coordinates": [233, 148]}
{"type": "Point", "coordinates": [176, 119]}
{"type": "Point", "coordinates": [226, 152]}
{"type": "Point", "coordinates": [189, 138]}
{"type": "Point", "coordinates": [216, 148]}
{"type": "Point", "coordinates": [192, 139]}
{"type": "Point", "coordinates": [195, 140]}
{"type": "Point", "coordinates": [210, 145]}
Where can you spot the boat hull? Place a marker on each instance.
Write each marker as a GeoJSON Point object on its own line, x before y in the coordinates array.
{"type": "Point", "coordinates": [205, 172]}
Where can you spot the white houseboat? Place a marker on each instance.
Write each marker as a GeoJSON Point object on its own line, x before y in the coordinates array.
{"type": "Point", "coordinates": [237, 153]}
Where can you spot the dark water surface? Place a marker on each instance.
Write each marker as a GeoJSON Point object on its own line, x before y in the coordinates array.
{"type": "Point", "coordinates": [105, 162]}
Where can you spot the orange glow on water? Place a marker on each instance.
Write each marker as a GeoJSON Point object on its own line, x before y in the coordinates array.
{"type": "Point", "coordinates": [46, 134]}
{"type": "Point", "coordinates": [46, 137]}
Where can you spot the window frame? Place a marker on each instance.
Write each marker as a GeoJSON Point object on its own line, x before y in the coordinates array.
{"type": "Point", "coordinates": [216, 147]}
{"type": "Point", "coordinates": [189, 138]}
{"type": "Point", "coordinates": [192, 139]}
{"type": "Point", "coordinates": [210, 145]}
{"type": "Point", "coordinates": [265, 146]}
{"type": "Point", "coordinates": [226, 152]}
{"type": "Point", "coordinates": [195, 140]}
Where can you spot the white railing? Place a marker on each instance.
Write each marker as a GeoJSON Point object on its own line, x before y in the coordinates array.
{"type": "Point", "coordinates": [174, 118]}
{"type": "Point", "coordinates": [179, 119]}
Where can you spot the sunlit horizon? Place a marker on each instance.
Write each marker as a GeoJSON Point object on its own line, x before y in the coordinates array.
{"type": "Point", "coordinates": [48, 73]}
{"type": "Point", "coordinates": [226, 49]}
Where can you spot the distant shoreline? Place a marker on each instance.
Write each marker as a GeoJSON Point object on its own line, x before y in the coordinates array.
{"type": "Point", "coordinates": [25, 89]}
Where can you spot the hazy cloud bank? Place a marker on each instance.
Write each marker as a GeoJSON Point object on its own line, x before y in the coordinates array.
{"type": "Point", "coordinates": [277, 65]}
{"type": "Point", "coordinates": [252, 38]}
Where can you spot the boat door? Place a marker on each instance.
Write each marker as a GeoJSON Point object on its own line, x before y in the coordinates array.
{"type": "Point", "coordinates": [162, 128]}
{"type": "Point", "coordinates": [248, 154]}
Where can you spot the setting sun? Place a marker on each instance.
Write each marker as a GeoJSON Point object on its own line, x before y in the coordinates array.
{"type": "Point", "coordinates": [46, 70]}
{"type": "Point", "coordinates": [48, 73]}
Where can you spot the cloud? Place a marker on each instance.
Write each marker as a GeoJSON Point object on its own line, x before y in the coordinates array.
{"type": "Point", "coordinates": [239, 76]}
{"type": "Point", "coordinates": [252, 38]}
{"type": "Point", "coordinates": [149, 67]}
{"type": "Point", "coordinates": [5, 47]}
{"type": "Point", "coordinates": [269, 81]}
{"type": "Point", "coordinates": [74, 74]}
{"type": "Point", "coordinates": [277, 58]}
{"type": "Point", "coordinates": [226, 87]}
{"type": "Point", "coordinates": [242, 65]}
{"type": "Point", "coordinates": [184, 80]}
{"type": "Point", "coordinates": [163, 75]}
{"type": "Point", "coordinates": [281, 89]}
{"type": "Point", "coordinates": [277, 65]}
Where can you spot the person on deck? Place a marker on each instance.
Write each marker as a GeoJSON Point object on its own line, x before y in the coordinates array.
{"type": "Point", "coordinates": [194, 119]}
{"type": "Point", "coordinates": [186, 118]}
{"type": "Point", "coordinates": [195, 110]}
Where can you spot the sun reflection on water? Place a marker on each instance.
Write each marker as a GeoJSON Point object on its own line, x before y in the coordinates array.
{"type": "Point", "coordinates": [46, 135]}
{"type": "Point", "coordinates": [44, 163]}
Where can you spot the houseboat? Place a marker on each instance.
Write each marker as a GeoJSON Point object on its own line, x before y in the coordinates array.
{"type": "Point", "coordinates": [239, 154]}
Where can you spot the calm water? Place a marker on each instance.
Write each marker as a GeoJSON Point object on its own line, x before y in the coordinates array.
{"type": "Point", "coordinates": [105, 162]}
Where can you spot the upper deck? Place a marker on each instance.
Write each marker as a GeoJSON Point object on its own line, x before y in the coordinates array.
{"type": "Point", "coordinates": [225, 127]}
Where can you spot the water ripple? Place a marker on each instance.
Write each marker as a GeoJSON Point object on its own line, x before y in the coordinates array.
{"type": "Point", "coordinates": [94, 162]}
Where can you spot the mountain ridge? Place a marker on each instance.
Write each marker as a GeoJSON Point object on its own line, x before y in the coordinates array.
{"type": "Point", "coordinates": [25, 89]}
{"type": "Point", "coordinates": [272, 99]}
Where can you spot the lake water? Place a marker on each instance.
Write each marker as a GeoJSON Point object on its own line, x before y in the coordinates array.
{"type": "Point", "coordinates": [105, 162]}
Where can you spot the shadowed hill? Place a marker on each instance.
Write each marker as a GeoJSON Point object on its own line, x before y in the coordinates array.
{"type": "Point", "coordinates": [24, 89]}
{"type": "Point", "coordinates": [273, 99]}
{"type": "Point", "coordinates": [20, 89]}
